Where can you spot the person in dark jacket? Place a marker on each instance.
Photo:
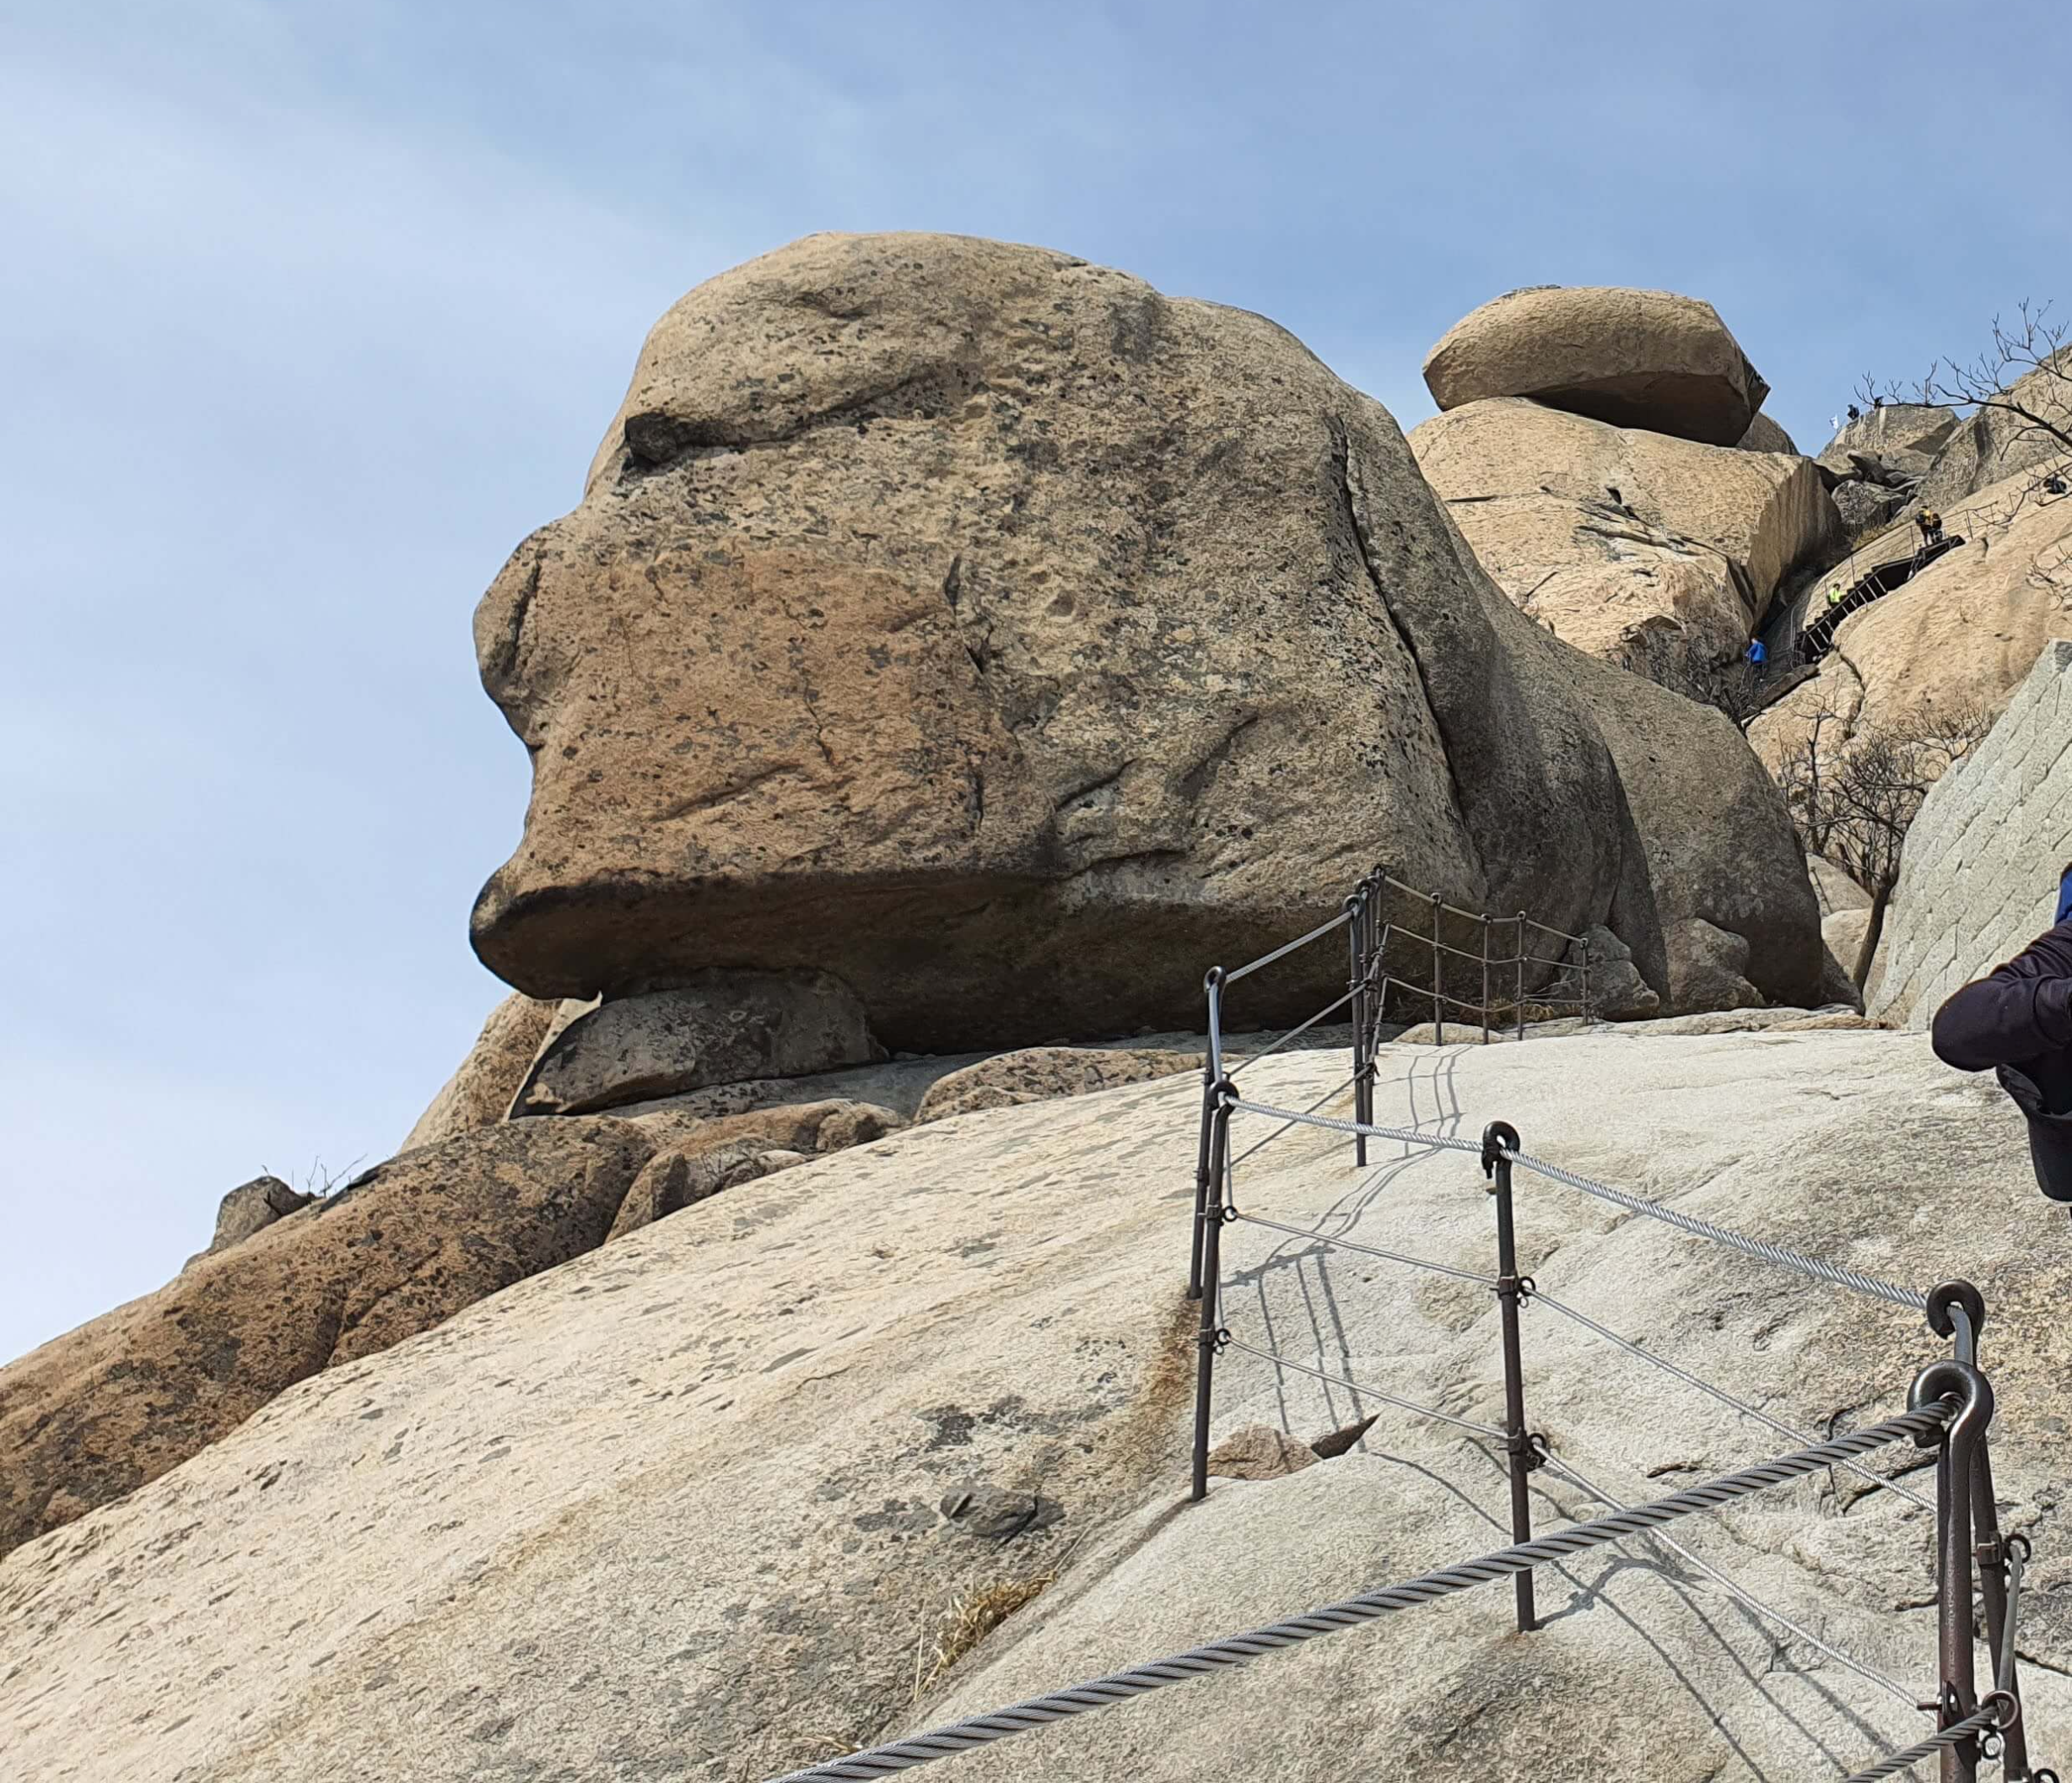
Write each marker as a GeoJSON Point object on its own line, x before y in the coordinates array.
{"type": "Point", "coordinates": [2017, 1020]}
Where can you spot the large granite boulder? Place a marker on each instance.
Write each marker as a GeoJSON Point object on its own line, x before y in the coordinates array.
{"type": "Point", "coordinates": [1637, 358]}
{"type": "Point", "coordinates": [724, 1028]}
{"type": "Point", "coordinates": [1704, 934]}
{"type": "Point", "coordinates": [101, 1411]}
{"type": "Point", "coordinates": [1979, 878]}
{"type": "Point", "coordinates": [1604, 532]}
{"type": "Point", "coordinates": [1014, 641]}
{"type": "Point", "coordinates": [691, 1506]}
{"type": "Point", "coordinates": [1960, 635]}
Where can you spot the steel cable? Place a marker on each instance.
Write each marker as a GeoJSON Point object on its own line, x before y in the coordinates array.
{"type": "Point", "coordinates": [1832, 1274]}
{"type": "Point", "coordinates": [1538, 1296]}
{"type": "Point", "coordinates": [1983, 1721]}
{"type": "Point", "coordinates": [1238, 1650]}
{"type": "Point", "coordinates": [1309, 1117]}
{"type": "Point", "coordinates": [1281, 952]}
{"type": "Point", "coordinates": [1293, 1034]}
{"type": "Point", "coordinates": [1391, 1257]}
{"type": "Point", "coordinates": [1372, 1392]}
{"type": "Point", "coordinates": [1745, 1597]}
{"type": "Point", "coordinates": [1309, 1113]}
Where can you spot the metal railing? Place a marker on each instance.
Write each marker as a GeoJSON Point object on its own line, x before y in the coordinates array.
{"type": "Point", "coordinates": [1968, 1536]}
{"type": "Point", "coordinates": [1950, 1405]}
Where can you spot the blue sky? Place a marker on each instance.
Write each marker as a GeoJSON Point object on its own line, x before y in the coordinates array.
{"type": "Point", "coordinates": [308, 314]}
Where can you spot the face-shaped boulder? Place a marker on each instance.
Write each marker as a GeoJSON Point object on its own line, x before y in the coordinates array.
{"type": "Point", "coordinates": [1011, 641]}
{"type": "Point", "coordinates": [985, 628]}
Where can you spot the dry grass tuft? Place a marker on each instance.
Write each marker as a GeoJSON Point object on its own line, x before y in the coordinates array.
{"type": "Point", "coordinates": [969, 1620]}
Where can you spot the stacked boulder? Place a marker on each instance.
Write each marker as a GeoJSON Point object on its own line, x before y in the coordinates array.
{"type": "Point", "coordinates": [1603, 452]}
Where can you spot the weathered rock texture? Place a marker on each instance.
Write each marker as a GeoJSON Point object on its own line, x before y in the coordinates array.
{"type": "Point", "coordinates": [682, 1175]}
{"type": "Point", "coordinates": [98, 1412]}
{"type": "Point", "coordinates": [1961, 633]}
{"type": "Point", "coordinates": [479, 1093]}
{"type": "Point", "coordinates": [1834, 888]}
{"type": "Point", "coordinates": [593, 1527]}
{"type": "Point", "coordinates": [1892, 427]}
{"type": "Point", "coordinates": [1639, 358]}
{"type": "Point", "coordinates": [1699, 799]}
{"type": "Point", "coordinates": [1259, 1452]}
{"type": "Point", "coordinates": [698, 1158]}
{"type": "Point", "coordinates": [1012, 638]}
{"type": "Point", "coordinates": [250, 1207]}
{"type": "Point", "coordinates": [1766, 435]}
{"type": "Point", "coordinates": [1696, 538]}
{"type": "Point", "coordinates": [726, 1028]}
{"type": "Point", "coordinates": [1043, 1074]}
{"type": "Point", "coordinates": [1978, 879]}
{"type": "Point", "coordinates": [1601, 973]}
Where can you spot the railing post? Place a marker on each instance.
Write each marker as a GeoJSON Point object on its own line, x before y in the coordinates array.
{"type": "Point", "coordinates": [1356, 944]}
{"type": "Point", "coordinates": [1518, 1008]}
{"type": "Point", "coordinates": [1209, 1340]}
{"type": "Point", "coordinates": [1438, 1013]}
{"type": "Point", "coordinates": [1957, 1310]}
{"type": "Point", "coordinates": [1485, 978]}
{"type": "Point", "coordinates": [1958, 1449]}
{"type": "Point", "coordinates": [1583, 951]}
{"type": "Point", "coordinates": [1211, 1072]}
{"type": "Point", "coordinates": [1376, 996]}
{"type": "Point", "coordinates": [1499, 1140]}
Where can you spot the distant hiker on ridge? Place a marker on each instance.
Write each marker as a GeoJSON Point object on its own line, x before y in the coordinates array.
{"type": "Point", "coordinates": [1930, 523]}
{"type": "Point", "coordinates": [2018, 1020]}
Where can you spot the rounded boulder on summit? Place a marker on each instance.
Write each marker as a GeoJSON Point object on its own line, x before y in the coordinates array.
{"type": "Point", "coordinates": [1636, 358]}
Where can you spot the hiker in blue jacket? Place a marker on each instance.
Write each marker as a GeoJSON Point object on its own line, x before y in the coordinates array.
{"type": "Point", "coordinates": [2017, 1019]}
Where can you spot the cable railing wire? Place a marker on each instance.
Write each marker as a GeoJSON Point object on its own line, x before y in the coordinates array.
{"type": "Point", "coordinates": [1371, 937]}
{"type": "Point", "coordinates": [1742, 1595]}
{"type": "Point", "coordinates": [1309, 1117]}
{"type": "Point", "coordinates": [1832, 1274]}
{"type": "Point", "coordinates": [1293, 1034]}
{"type": "Point", "coordinates": [1281, 952]}
{"type": "Point", "coordinates": [1454, 909]}
{"type": "Point", "coordinates": [1540, 1297]}
{"type": "Point", "coordinates": [1984, 1720]}
{"type": "Point", "coordinates": [1371, 1393]}
{"type": "Point", "coordinates": [1338, 1088]}
{"type": "Point", "coordinates": [1331, 1619]}
{"type": "Point", "coordinates": [1347, 1244]}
